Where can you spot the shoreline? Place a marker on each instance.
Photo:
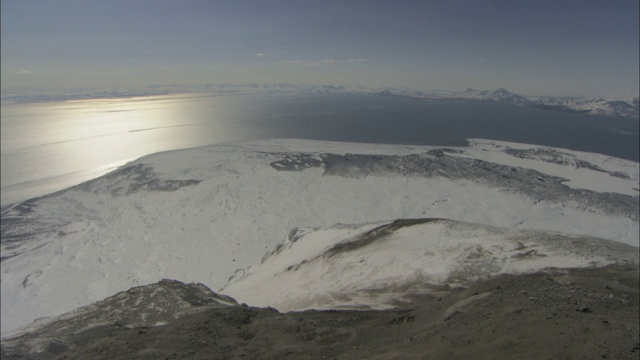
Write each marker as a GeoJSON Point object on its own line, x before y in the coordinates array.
{"type": "Point", "coordinates": [313, 143]}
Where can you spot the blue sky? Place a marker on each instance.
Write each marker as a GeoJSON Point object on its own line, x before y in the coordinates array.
{"type": "Point", "coordinates": [570, 47]}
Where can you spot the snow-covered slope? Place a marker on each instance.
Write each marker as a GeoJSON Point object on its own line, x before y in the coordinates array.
{"type": "Point", "coordinates": [198, 215]}
{"type": "Point", "coordinates": [380, 265]}
{"type": "Point", "coordinates": [580, 170]}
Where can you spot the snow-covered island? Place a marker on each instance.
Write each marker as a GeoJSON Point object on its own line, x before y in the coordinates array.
{"type": "Point", "coordinates": [612, 107]}
{"type": "Point", "coordinates": [300, 224]}
{"type": "Point", "coordinates": [620, 107]}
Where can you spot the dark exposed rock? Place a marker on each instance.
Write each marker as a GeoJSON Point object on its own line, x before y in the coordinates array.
{"type": "Point", "coordinates": [57, 346]}
{"type": "Point", "coordinates": [437, 163]}
{"type": "Point", "coordinates": [376, 234]}
{"type": "Point", "coordinates": [296, 162]}
{"type": "Point", "coordinates": [132, 179]}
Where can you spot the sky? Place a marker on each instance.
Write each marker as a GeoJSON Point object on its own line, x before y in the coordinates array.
{"type": "Point", "coordinates": [541, 47]}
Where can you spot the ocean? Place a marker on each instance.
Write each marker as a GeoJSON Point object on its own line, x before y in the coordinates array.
{"type": "Point", "coordinates": [49, 146]}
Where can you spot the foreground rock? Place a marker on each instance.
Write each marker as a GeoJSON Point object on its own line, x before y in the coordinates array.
{"type": "Point", "coordinates": [139, 307]}
{"type": "Point", "coordinates": [555, 313]}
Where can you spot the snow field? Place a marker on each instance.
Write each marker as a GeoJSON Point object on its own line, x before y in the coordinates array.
{"type": "Point", "coordinates": [97, 244]}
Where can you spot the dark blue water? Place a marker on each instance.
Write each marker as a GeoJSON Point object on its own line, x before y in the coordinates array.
{"type": "Point", "coordinates": [50, 146]}
{"type": "Point", "coordinates": [397, 120]}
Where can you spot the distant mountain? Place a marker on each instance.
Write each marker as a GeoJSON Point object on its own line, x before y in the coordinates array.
{"type": "Point", "coordinates": [613, 107]}
{"type": "Point", "coordinates": [501, 95]}
{"type": "Point", "coordinates": [625, 108]}
{"type": "Point", "coordinates": [403, 92]}
{"type": "Point", "coordinates": [14, 95]}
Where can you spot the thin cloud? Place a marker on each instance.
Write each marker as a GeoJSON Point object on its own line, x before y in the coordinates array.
{"type": "Point", "coordinates": [259, 55]}
{"type": "Point", "coordinates": [24, 72]}
{"type": "Point", "coordinates": [325, 61]}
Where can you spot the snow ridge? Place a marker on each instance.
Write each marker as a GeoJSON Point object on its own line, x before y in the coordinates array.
{"type": "Point", "coordinates": [379, 266]}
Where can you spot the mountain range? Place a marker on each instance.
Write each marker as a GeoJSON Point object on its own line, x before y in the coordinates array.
{"type": "Point", "coordinates": [623, 107]}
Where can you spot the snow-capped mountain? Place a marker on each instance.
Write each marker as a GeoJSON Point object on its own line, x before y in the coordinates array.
{"type": "Point", "coordinates": [198, 215]}
{"type": "Point", "coordinates": [611, 107]}
{"type": "Point", "coordinates": [501, 95]}
{"type": "Point", "coordinates": [626, 108]}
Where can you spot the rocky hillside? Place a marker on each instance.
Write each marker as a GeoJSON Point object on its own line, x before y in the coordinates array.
{"type": "Point", "coordinates": [556, 313]}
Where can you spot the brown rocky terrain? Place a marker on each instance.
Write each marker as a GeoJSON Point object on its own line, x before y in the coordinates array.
{"type": "Point", "coordinates": [554, 314]}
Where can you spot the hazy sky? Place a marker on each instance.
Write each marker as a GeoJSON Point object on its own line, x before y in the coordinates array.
{"type": "Point", "coordinates": [533, 47]}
